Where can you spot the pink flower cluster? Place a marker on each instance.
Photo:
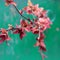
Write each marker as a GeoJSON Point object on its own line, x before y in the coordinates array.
{"type": "Point", "coordinates": [42, 21]}
{"type": "Point", "coordinates": [36, 26]}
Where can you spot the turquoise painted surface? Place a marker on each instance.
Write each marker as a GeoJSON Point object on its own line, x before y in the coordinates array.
{"type": "Point", "coordinates": [24, 50]}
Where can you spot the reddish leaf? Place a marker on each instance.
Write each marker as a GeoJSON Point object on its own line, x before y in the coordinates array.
{"type": "Point", "coordinates": [22, 34]}
{"type": "Point", "coordinates": [42, 46]}
{"type": "Point", "coordinates": [19, 31]}
{"type": "Point", "coordinates": [4, 36]}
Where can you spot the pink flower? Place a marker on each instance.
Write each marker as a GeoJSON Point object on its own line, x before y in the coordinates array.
{"type": "Point", "coordinates": [43, 23]}
{"type": "Point", "coordinates": [41, 45]}
{"type": "Point", "coordinates": [34, 9]}
{"type": "Point", "coordinates": [28, 9]}
{"type": "Point", "coordinates": [25, 25]}
{"type": "Point", "coordinates": [31, 9]}
{"type": "Point", "coordinates": [37, 11]}
{"type": "Point", "coordinates": [10, 2]}
{"type": "Point", "coordinates": [35, 30]}
{"type": "Point", "coordinates": [43, 13]}
{"type": "Point", "coordinates": [4, 36]}
{"type": "Point", "coordinates": [40, 42]}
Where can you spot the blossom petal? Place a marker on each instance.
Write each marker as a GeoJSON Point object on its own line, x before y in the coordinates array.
{"type": "Point", "coordinates": [42, 46]}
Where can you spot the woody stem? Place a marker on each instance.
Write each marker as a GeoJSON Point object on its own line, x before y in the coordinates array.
{"type": "Point", "coordinates": [21, 14]}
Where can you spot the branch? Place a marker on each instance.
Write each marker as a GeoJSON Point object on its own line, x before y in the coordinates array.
{"type": "Point", "coordinates": [21, 14]}
{"type": "Point", "coordinates": [9, 29]}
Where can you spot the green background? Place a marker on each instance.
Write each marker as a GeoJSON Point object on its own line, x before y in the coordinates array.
{"type": "Point", "coordinates": [24, 50]}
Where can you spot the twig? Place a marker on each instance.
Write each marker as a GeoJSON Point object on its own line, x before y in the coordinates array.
{"type": "Point", "coordinates": [9, 29]}
{"type": "Point", "coordinates": [21, 14]}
